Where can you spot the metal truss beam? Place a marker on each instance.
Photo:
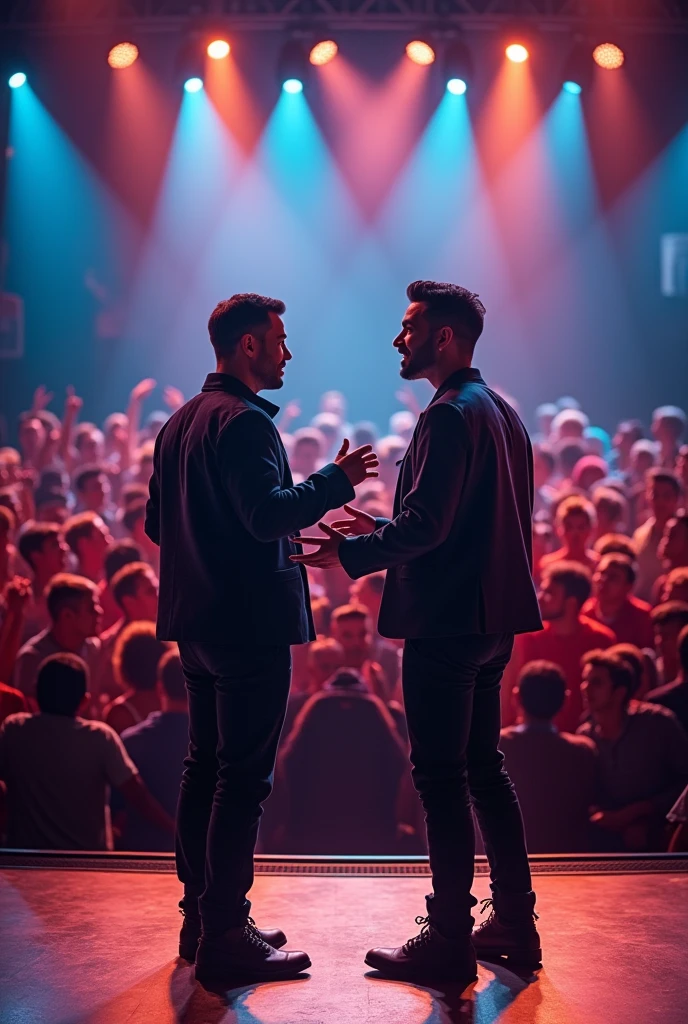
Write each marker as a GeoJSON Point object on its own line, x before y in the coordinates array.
{"type": "Point", "coordinates": [637, 16]}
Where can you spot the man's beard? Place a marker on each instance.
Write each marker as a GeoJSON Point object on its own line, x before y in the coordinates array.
{"type": "Point", "coordinates": [418, 363]}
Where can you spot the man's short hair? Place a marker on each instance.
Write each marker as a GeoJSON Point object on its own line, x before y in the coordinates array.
{"type": "Point", "coordinates": [683, 651]}
{"type": "Point", "coordinates": [137, 655]}
{"type": "Point", "coordinates": [570, 416]}
{"type": "Point", "coordinates": [677, 577]}
{"type": "Point", "coordinates": [84, 476]}
{"type": "Point", "coordinates": [78, 528]}
{"type": "Point", "coordinates": [670, 613]}
{"type": "Point", "coordinates": [619, 670]}
{"type": "Point", "coordinates": [609, 503]}
{"type": "Point", "coordinates": [672, 416]}
{"type": "Point", "coordinates": [576, 505]}
{"type": "Point", "coordinates": [135, 511]}
{"type": "Point", "coordinates": [570, 451]}
{"type": "Point", "coordinates": [32, 538]}
{"type": "Point", "coordinates": [633, 657]}
{"type": "Point", "coordinates": [665, 476]}
{"type": "Point", "coordinates": [575, 580]}
{"type": "Point", "coordinates": [622, 562]}
{"type": "Point", "coordinates": [67, 590]}
{"type": "Point", "coordinates": [171, 675]}
{"type": "Point", "coordinates": [450, 305]}
{"type": "Point", "coordinates": [133, 492]}
{"type": "Point", "coordinates": [349, 611]}
{"type": "Point", "coordinates": [245, 313]}
{"type": "Point", "coordinates": [615, 544]}
{"type": "Point", "coordinates": [541, 689]}
{"type": "Point", "coordinates": [61, 684]}
{"type": "Point", "coordinates": [125, 582]}
{"type": "Point", "coordinates": [124, 552]}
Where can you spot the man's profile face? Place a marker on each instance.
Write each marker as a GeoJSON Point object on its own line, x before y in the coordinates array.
{"type": "Point", "coordinates": [552, 600]}
{"type": "Point", "coordinates": [674, 544]}
{"type": "Point", "coordinates": [98, 540]}
{"type": "Point", "coordinates": [86, 614]}
{"type": "Point", "coordinates": [354, 636]}
{"type": "Point", "coordinates": [416, 343]}
{"type": "Point", "coordinates": [597, 689]}
{"type": "Point", "coordinates": [664, 499]}
{"type": "Point", "coordinates": [610, 582]}
{"type": "Point", "coordinates": [52, 557]}
{"type": "Point", "coordinates": [144, 604]}
{"type": "Point", "coordinates": [271, 355]}
{"type": "Point", "coordinates": [96, 492]}
{"type": "Point", "coordinates": [576, 529]}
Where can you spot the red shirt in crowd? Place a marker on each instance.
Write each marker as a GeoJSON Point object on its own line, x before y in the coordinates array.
{"type": "Point", "coordinates": [566, 652]}
{"type": "Point", "coordinates": [11, 702]}
{"type": "Point", "coordinates": [633, 624]}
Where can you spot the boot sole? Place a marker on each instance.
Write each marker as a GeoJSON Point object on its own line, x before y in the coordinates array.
{"type": "Point", "coordinates": [240, 976]}
{"type": "Point", "coordinates": [401, 973]}
{"type": "Point", "coordinates": [531, 958]}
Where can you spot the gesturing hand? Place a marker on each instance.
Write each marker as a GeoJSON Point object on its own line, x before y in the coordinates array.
{"type": "Point", "coordinates": [327, 555]}
{"type": "Point", "coordinates": [359, 524]}
{"type": "Point", "coordinates": [359, 465]}
{"type": "Point", "coordinates": [143, 389]}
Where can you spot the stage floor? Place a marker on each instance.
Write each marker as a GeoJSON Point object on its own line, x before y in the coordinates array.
{"type": "Point", "coordinates": [99, 947]}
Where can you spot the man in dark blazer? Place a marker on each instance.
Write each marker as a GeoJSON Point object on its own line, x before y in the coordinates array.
{"type": "Point", "coordinates": [458, 587]}
{"type": "Point", "coordinates": [224, 510]}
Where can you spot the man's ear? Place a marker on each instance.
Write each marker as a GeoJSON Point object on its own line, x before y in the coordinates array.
{"type": "Point", "coordinates": [248, 344]}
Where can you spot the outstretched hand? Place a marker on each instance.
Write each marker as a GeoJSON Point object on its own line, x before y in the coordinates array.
{"type": "Point", "coordinates": [327, 555]}
{"type": "Point", "coordinates": [359, 524]}
{"type": "Point", "coordinates": [359, 465]}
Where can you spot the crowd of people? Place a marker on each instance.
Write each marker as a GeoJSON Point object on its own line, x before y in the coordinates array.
{"type": "Point", "coordinates": [93, 706]}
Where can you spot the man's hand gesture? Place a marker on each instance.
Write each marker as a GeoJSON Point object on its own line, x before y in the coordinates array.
{"type": "Point", "coordinates": [358, 465]}
{"type": "Point", "coordinates": [327, 555]}
{"type": "Point", "coordinates": [359, 524]}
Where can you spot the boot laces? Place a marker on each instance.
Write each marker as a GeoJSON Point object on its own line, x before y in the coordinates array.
{"type": "Point", "coordinates": [420, 940]}
{"type": "Point", "coordinates": [489, 902]}
{"type": "Point", "coordinates": [255, 938]}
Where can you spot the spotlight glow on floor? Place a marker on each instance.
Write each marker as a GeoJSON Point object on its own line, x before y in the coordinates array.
{"type": "Point", "coordinates": [517, 53]}
{"type": "Point", "coordinates": [608, 56]}
{"type": "Point", "coordinates": [322, 53]}
{"type": "Point", "coordinates": [218, 49]}
{"type": "Point", "coordinates": [123, 55]}
{"type": "Point", "coordinates": [293, 85]}
{"type": "Point", "coordinates": [456, 86]}
{"type": "Point", "coordinates": [420, 52]}
{"type": "Point", "coordinates": [16, 80]}
{"type": "Point", "coordinates": [193, 84]}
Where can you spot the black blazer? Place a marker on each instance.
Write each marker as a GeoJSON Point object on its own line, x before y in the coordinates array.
{"type": "Point", "coordinates": [223, 507]}
{"type": "Point", "coordinates": [459, 548]}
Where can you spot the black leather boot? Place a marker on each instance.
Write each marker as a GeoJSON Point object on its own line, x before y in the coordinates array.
{"type": "Point", "coordinates": [428, 956]}
{"type": "Point", "coordinates": [509, 932]}
{"type": "Point", "coordinates": [190, 935]}
{"type": "Point", "coordinates": [240, 955]}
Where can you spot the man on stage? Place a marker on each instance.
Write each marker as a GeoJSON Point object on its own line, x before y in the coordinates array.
{"type": "Point", "coordinates": [224, 510]}
{"type": "Point", "coordinates": [458, 587]}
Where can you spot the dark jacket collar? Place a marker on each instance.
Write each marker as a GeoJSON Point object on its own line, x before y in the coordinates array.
{"type": "Point", "coordinates": [225, 382]}
{"type": "Point", "coordinates": [469, 375]}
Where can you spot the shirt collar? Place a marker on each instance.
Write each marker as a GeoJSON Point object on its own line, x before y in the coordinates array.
{"type": "Point", "coordinates": [468, 375]}
{"type": "Point", "coordinates": [225, 382]}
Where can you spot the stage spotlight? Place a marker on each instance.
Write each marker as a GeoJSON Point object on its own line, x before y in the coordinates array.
{"type": "Point", "coordinates": [322, 53]}
{"type": "Point", "coordinates": [608, 56]}
{"type": "Point", "coordinates": [420, 52]}
{"type": "Point", "coordinates": [123, 55]}
{"type": "Point", "coordinates": [458, 67]}
{"type": "Point", "coordinates": [218, 49]}
{"type": "Point", "coordinates": [578, 69]}
{"type": "Point", "coordinates": [193, 84]}
{"type": "Point", "coordinates": [293, 67]}
{"type": "Point", "coordinates": [572, 87]}
{"type": "Point", "coordinates": [16, 80]}
{"type": "Point", "coordinates": [517, 53]}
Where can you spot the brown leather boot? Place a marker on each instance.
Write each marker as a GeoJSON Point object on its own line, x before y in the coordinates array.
{"type": "Point", "coordinates": [240, 955]}
{"type": "Point", "coordinates": [509, 932]}
{"type": "Point", "coordinates": [190, 935]}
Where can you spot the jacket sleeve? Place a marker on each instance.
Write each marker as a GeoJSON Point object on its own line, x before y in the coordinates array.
{"type": "Point", "coordinates": [429, 509]}
{"type": "Point", "coordinates": [250, 460]}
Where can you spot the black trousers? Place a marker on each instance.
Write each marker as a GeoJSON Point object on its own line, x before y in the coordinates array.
{"type": "Point", "coordinates": [451, 696]}
{"type": "Point", "coordinates": [237, 703]}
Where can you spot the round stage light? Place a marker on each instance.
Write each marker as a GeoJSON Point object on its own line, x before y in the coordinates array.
{"type": "Point", "coordinates": [292, 86]}
{"type": "Point", "coordinates": [123, 55]}
{"type": "Point", "coordinates": [16, 80]}
{"type": "Point", "coordinates": [572, 87]}
{"type": "Point", "coordinates": [456, 86]}
{"type": "Point", "coordinates": [218, 49]}
{"type": "Point", "coordinates": [517, 53]}
{"type": "Point", "coordinates": [322, 53]}
{"type": "Point", "coordinates": [420, 52]}
{"type": "Point", "coordinates": [608, 56]}
{"type": "Point", "coordinates": [193, 84]}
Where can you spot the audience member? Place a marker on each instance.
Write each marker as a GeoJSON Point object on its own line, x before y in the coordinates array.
{"type": "Point", "coordinates": [588, 472]}
{"type": "Point", "coordinates": [613, 603]}
{"type": "Point", "coordinates": [611, 509]}
{"type": "Point", "coordinates": [119, 554]}
{"type": "Point", "coordinates": [668, 621]}
{"type": "Point", "coordinates": [627, 433]}
{"type": "Point", "coordinates": [663, 494]}
{"type": "Point", "coordinates": [668, 426]}
{"type": "Point", "coordinates": [673, 549]}
{"type": "Point", "coordinates": [675, 586]}
{"type": "Point", "coordinates": [158, 746]}
{"type": "Point", "coordinates": [57, 768]}
{"type": "Point", "coordinates": [135, 591]}
{"type": "Point", "coordinates": [566, 637]}
{"type": "Point", "coordinates": [574, 523]}
{"type": "Point", "coordinates": [133, 522]}
{"type": "Point", "coordinates": [135, 663]}
{"type": "Point", "coordinates": [643, 756]}
{"type": "Point", "coordinates": [307, 453]}
{"type": "Point", "coordinates": [74, 613]}
{"type": "Point", "coordinates": [351, 627]}
{"type": "Point", "coordinates": [555, 773]}
{"type": "Point", "coordinates": [8, 553]}
{"type": "Point", "coordinates": [92, 489]}
{"type": "Point", "coordinates": [674, 695]}
{"type": "Point", "coordinates": [615, 544]}
{"type": "Point", "coordinates": [45, 554]}
{"type": "Point", "coordinates": [89, 539]}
